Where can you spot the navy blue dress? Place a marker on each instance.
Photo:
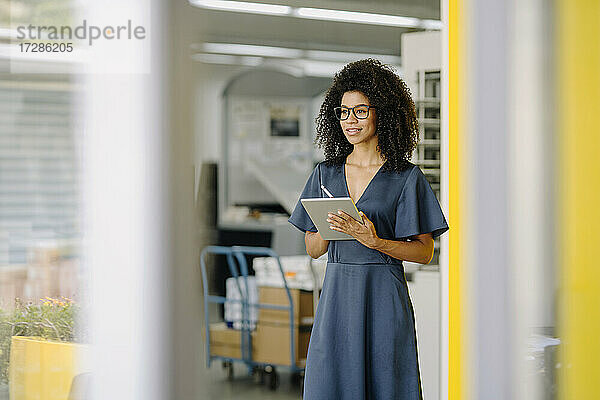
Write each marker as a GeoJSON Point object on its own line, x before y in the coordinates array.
{"type": "Point", "coordinates": [363, 341]}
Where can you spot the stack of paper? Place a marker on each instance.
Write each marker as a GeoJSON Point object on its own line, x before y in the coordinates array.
{"type": "Point", "coordinates": [297, 271]}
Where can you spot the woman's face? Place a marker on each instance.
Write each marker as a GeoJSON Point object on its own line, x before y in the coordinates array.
{"type": "Point", "coordinates": [358, 130]}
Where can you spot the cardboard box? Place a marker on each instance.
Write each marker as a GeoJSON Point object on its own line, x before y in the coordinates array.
{"type": "Point", "coordinates": [225, 342]}
{"type": "Point", "coordinates": [303, 305]}
{"type": "Point", "coordinates": [271, 344]}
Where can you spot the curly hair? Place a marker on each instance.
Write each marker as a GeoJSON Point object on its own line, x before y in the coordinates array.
{"type": "Point", "coordinates": [397, 128]}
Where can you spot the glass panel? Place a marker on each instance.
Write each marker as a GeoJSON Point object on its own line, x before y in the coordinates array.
{"type": "Point", "coordinates": [431, 133]}
{"type": "Point", "coordinates": [40, 236]}
{"type": "Point", "coordinates": [432, 112]}
{"type": "Point", "coordinates": [432, 84]}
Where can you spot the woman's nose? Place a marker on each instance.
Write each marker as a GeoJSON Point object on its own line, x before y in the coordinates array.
{"type": "Point", "coordinates": [352, 117]}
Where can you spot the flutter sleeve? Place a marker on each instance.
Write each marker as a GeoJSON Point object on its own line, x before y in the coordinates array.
{"type": "Point", "coordinates": [312, 189]}
{"type": "Point", "coordinates": [418, 210]}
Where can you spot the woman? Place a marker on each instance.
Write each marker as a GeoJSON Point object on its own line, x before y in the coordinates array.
{"type": "Point", "coordinates": [363, 342]}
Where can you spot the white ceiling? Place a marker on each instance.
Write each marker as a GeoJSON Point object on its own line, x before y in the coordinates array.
{"type": "Point", "coordinates": [231, 27]}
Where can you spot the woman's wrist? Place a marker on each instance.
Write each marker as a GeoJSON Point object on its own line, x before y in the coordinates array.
{"type": "Point", "coordinates": [321, 238]}
{"type": "Point", "coordinates": [316, 246]}
{"type": "Point", "coordinates": [378, 243]}
{"type": "Point", "coordinates": [321, 242]}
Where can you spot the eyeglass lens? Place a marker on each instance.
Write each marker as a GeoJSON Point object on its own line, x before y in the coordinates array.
{"type": "Point", "coordinates": [360, 112]}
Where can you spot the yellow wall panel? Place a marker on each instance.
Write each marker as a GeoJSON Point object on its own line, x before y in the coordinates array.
{"type": "Point", "coordinates": [578, 152]}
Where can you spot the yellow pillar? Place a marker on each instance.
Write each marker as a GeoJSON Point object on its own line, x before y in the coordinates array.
{"type": "Point", "coordinates": [457, 354]}
{"type": "Point", "coordinates": [578, 211]}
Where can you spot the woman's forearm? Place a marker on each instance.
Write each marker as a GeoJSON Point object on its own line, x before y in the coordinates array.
{"type": "Point", "coordinates": [315, 245]}
{"type": "Point", "coordinates": [414, 251]}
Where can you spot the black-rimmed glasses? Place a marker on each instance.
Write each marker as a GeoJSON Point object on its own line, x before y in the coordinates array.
{"type": "Point", "coordinates": [360, 111]}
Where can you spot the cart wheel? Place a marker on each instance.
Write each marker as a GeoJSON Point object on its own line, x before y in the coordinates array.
{"type": "Point", "coordinates": [273, 377]}
{"type": "Point", "coordinates": [228, 365]}
{"type": "Point", "coordinates": [296, 378]}
{"type": "Point", "coordinates": [274, 381]}
{"type": "Point", "coordinates": [259, 375]}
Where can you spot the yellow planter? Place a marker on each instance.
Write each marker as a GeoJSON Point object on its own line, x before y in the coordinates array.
{"type": "Point", "coordinates": [40, 369]}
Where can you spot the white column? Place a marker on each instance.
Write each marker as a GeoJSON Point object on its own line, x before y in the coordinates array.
{"type": "Point", "coordinates": [124, 171]}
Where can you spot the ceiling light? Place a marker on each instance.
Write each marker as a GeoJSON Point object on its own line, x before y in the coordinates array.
{"type": "Point", "coordinates": [243, 6]}
{"type": "Point", "coordinates": [322, 69]}
{"type": "Point", "coordinates": [357, 17]}
{"type": "Point", "coordinates": [252, 50]}
{"type": "Point", "coordinates": [345, 57]}
{"type": "Point", "coordinates": [290, 53]}
{"type": "Point", "coordinates": [432, 24]}
{"type": "Point", "coordinates": [297, 67]}
{"type": "Point", "coordinates": [227, 59]}
{"type": "Point", "coordinates": [319, 14]}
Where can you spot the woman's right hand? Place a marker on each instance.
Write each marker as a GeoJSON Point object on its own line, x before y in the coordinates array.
{"type": "Point", "coordinates": [316, 246]}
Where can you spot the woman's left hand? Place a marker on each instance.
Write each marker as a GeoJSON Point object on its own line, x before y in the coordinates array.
{"type": "Point", "coordinates": [365, 233]}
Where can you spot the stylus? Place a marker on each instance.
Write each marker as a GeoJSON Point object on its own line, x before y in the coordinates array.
{"type": "Point", "coordinates": [326, 191]}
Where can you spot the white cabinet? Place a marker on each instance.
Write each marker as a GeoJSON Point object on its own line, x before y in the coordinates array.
{"type": "Point", "coordinates": [425, 295]}
{"type": "Point", "coordinates": [422, 60]}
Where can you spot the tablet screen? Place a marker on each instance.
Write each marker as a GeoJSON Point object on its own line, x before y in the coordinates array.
{"type": "Point", "coordinates": [318, 209]}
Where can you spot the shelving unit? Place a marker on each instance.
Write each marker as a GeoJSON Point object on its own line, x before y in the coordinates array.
{"type": "Point", "coordinates": [427, 102]}
{"type": "Point", "coordinates": [427, 153]}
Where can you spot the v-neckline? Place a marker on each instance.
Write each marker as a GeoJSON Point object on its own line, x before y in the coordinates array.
{"type": "Point", "coordinates": [366, 187]}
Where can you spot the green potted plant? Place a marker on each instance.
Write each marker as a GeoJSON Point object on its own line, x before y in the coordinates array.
{"type": "Point", "coordinates": [38, 353]}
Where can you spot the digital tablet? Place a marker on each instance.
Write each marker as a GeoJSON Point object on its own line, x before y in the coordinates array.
{"type": "Point", "coordinates": [318, 209]}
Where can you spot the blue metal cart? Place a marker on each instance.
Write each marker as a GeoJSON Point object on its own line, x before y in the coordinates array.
{"type": "Point", "coordinates": [238, 267]}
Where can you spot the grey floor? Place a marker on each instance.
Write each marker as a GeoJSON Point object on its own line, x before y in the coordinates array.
{"type": "Point", "coordinates": [244, 386]}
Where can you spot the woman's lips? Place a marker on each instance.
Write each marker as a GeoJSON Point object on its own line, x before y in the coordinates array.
{"type": "Point", "coordinates": [352, 131]}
